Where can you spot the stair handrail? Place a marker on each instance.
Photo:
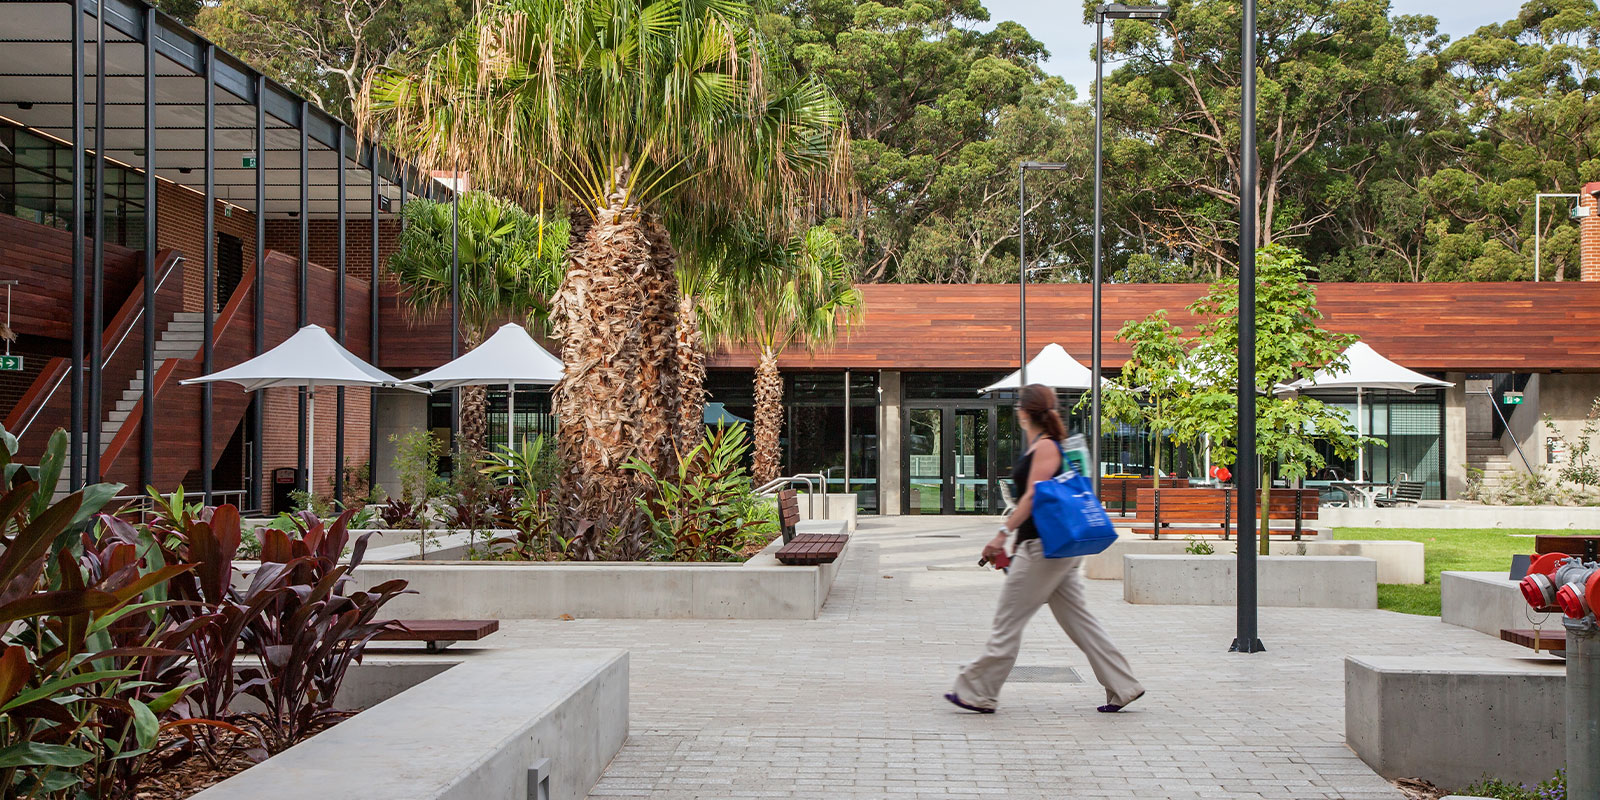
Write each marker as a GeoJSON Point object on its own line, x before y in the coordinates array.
{"type": "Point", "coordinates": [171, 263]}
{"type": "Point", "coordinates": [1489, 393]}
{"type": "Point", "coordinates": [771, 487]}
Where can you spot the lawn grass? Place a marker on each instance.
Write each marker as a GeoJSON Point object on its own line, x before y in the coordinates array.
{"type": "Point", "coordinates": [1446, 549]}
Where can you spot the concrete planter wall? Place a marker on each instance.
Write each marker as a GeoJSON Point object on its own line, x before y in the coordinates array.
{"type": "Point", "coordinates": [1484, 601]}
{"type": "Point", "coordinates": [1544, 518]}
{"type": "Point", "coordinates": [1291, 581]}
{"type": "Point", "coordinates": [468, 733]}
{"type": "Point", "coordinates": [1398, 561]}
{"type": "Point", "coordinates": [1452, 720]}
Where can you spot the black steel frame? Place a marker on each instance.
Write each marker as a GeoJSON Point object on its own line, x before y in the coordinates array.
{"type": "Point", "coordinates": [209, 305]}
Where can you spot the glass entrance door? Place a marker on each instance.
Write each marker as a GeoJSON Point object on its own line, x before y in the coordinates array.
{"type": "Point", "coordinates": [950, 467]}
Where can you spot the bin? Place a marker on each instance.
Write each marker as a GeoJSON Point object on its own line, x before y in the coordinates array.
{"type": "Point", "coordinates": [285, 480]}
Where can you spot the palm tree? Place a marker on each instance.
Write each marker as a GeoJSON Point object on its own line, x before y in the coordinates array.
{"type": "Point", "coordinates": [510, 266]}
{"type": "Point", "coordinates": [773, 295]}
{"type": "Point", "coordinates": [640, 113]}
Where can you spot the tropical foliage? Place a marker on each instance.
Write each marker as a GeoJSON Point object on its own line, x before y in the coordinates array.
{"type": "Point", "coordinates": [705, 509]}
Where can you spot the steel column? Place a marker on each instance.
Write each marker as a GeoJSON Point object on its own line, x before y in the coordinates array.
{"type": "Point", "coordinates": [147, 414]}
{"type": "Point", "coordinates": [1094, 306]}
{"type": "Point", "coordinates": [338, 294]}
{"type": "Point", "coordinates": [258, 462]}
{"type": "Point", "coordinates": [1246, 472]}
{"type": "Point", "coordinates": [1022, 279]}
{"type": "Point", "coordinates": [75, 457]}
{"type": "Point", "coordinates": [455, 305]}
{"type": "Point", "coordinates": [372, 334]}
{"type": "Point", "coordinates": [97, 285]}
{"type": "Point", "coordinates": [300, 293]}
{"type": "Point", "coordinates": [209, 304]}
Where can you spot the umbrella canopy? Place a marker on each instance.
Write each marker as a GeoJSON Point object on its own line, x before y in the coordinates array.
{"type": "Point", "coordinates": [308, 358]}
{"type": "Point", "coordinates": [1053, 367]}
{"type": "Point", "coordinates": [718, 414]}
{"type": "Point", "coordinates": [509, 356]}
{"type": "Point", "coordinates": [1367, 370]}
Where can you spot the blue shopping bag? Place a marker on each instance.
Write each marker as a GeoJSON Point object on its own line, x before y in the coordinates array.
{"type": "Point", "coordinates": [1071, 520]}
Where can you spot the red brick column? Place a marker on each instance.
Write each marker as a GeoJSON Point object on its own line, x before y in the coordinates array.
{"type": "Point", "coordinates": [1589, 234]}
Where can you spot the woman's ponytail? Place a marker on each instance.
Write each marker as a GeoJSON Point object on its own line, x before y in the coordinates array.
{"type": "Point", "coordinates": [1039, 403]}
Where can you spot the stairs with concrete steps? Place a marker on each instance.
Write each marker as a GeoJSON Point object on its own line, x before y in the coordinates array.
{"type": "Point", "coordinates": [1485, 453]}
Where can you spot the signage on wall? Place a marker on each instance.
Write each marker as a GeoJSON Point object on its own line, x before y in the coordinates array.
{"type": "Point", "coordinates": [10, 363]}
{"type": "Point", "coordinates": [249, 162]}
{"type": "Point", "coordinates": [1511, 398]}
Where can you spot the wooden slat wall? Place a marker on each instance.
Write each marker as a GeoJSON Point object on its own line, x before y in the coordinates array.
{"type": "Point", "coordinates": [1489, 327]}
{"type": "Point", "coordinates": [41, 302]}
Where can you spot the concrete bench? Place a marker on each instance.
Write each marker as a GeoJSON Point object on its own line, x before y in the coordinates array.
{"type": "Point", "coordinates": [475, 731]}
{"type": "Point", "coordinates": [1453, 719]}
{"type": "Point", "coordinates": [1488, 602]}
{"type": "Point", "coordinates": [1398, 561]}
{"type": "Point", "coordinates": [1287, 581]}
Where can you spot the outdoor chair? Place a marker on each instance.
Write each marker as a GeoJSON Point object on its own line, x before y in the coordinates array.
{"type": "Point", "coordinates": [1404, 493]}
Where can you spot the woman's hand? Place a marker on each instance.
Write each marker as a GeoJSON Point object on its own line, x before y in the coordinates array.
{"type": "Point", "coordinates": [995, 547]}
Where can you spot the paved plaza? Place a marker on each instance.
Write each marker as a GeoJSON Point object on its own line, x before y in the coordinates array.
{"type": "Point", "coordinates": [848, 705]}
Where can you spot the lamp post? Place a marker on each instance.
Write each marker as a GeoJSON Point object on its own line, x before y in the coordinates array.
{"type": "Point", "coordinates": [1245, 639]}
{"type": "Point", "coordinates": [1112, 11]}
{"type": "Point", "coordinates": [1022, 262]}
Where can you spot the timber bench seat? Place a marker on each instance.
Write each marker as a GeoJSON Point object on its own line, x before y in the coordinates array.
{"type": "Point", "coordinates": [1122, 494]}
{"type": "Point", "coordinates": [1212, 512]}
{"type": "Point", "coordinates": [806, 549]}
{"type": "Point", "coordinates": [438, 634]}
{"type": "Point", "coordinates": [1585, 546]}
{"type": "Point", "coordinates": [1553, 639]}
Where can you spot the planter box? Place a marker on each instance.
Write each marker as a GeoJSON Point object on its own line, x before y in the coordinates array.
{"type": "Point", "coordinates": [1289, 581]}
{"type": "Point", "coordinates": [1453, 719]}
{"type": "Point", "coordinates": [1484, 601]}
{"type": "Point", "coordinates": [472, 732]}
{"type": "Point", "coordinates": [1398, 561]}
{"type": "Point", "coordinates": [760, 588]}
{"type": "Point", "coordinates": [1547, 518]}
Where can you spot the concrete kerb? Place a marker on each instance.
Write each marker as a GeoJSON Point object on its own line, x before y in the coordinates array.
{"type": "Point", "coordinates": [1288, 581]}
{"type": "Point", "coordinates": [462, 735]}
{"type": "Point", "coordinates": [1453, 720]}
{"type": "Point", "coordinates": [1398, 561]}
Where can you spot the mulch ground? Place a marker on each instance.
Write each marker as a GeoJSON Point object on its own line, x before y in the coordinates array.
{"type": "Point", "coordinates": [233, 753]}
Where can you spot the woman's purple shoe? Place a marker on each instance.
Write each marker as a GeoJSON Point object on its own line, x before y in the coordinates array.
{"type": "Point", "coordinates": [956, 699]}
{"type": "Point", "coordinates": [1112, 708]}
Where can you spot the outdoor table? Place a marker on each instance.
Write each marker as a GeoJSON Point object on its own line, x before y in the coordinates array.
{"type": "Point", "coordinates": [1361, 493]}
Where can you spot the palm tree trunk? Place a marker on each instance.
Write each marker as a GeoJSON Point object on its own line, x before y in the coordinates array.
{"type": "Point", "coordinates": [1265, 545]}
{"type": "Point", "coordinates": [659, 396]}
{"type": "Point", "coordinates": [596, 316]}
{"type": "Point", "coordinates": [769, 417]}
{"type": "Point", "coordinates": [474, 405]}
{"type": "Point", "coordinates": [691, 377]}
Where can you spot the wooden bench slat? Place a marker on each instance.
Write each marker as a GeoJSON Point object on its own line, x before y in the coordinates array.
{"type": "Point", "coordinates": [1552, 639]}
{"type": "Point", "coordinates": [435, 630]}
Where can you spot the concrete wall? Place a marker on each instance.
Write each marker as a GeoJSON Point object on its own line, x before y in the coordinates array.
{"type": "Point", "coordinates": [450, 739]}
{"type": "Point", "coordinates": [1567, 398]}
{"type": "Point", "coordinates": [1289, 581]}
{"type": "Point", "coordinates": [889, 472]}
{"type": "Point", "coordinates": [1488, 602]}
{"type": "Point", "coordinates": [399, 413]}
{"type": "Point", "coordinates": [1524, 426]}
{"type": "Point", "coordinates": [1453, 720]}
{"type": "Point", "coordinates": [1544, 518]}
{"type": "Point", "coordinates": [1455, 436]}
{"type": "Point", "coordinates": [1398, 561]}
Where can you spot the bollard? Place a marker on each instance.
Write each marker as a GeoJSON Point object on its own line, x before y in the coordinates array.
{"type": "Point", "coordinates": [1583, 707]}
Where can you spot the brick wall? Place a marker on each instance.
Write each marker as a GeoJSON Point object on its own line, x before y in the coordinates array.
{"type": "Point", "coordinates": [280, 433]}
{"type": "Point", "coordinates": [182, 227]}
{"type": "Point", "coordinates": [284, 235]}
{"type": "Point", "coordinates": [1589, 234]}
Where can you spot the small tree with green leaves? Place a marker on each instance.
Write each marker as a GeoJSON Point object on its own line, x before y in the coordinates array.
{"type": "Point", "coordinates": [1580, 467]}
{"type": "Point", "coordinates": [1155, 381]}
{"type": "Point", "coordinates": [1290, 345]}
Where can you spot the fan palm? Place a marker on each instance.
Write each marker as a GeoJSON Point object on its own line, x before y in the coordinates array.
{"type": "Point", "coordinates": [638, 112]}
{"type": "Point", "coordinates": [510, 266]}
{"type": "Point", "coordinates": [772, 295]}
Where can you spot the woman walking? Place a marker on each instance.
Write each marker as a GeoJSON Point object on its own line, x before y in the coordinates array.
{"type": "Point", "coordinates": [1034, 580]}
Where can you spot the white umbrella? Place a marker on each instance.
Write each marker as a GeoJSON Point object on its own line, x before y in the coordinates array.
{"type": "Point", "coordinates": [1053, 367]}
{"type": "Point", "coordinates": [310, 358]}
{"type": "Point", "coordinates": [510, 357]}
{"type": "Point", "coordinates": [718, 414]}
{"type": "Point", "coordinates": [1366, 369]}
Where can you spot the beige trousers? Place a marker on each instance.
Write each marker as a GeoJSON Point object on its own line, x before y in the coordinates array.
{"type": "Point", "coordinates": [1032, 582]}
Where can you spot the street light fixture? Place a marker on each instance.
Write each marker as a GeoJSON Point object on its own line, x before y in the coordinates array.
{"type": "Point", "coordinates": [1102, 13]}
{"type": "Point", "coordinates": [1022, 260]}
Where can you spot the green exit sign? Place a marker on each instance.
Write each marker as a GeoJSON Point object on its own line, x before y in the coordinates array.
{"type": "Point", "coordinates": [249, 162]}
{"type": "Point", "coordinates": [1511, 398]}
{"type": "Point", "coordinates": [10, 363]}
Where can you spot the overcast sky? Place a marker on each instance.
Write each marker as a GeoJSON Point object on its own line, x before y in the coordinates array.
{"type": "Point", "coordinates": [1059, 25]}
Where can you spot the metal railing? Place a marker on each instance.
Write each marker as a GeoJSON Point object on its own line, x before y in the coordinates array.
{"type": "Point", "coordinates": [128, 328]}
{"type": "Point", "coordinates": [1489, 393]}
{"type": "Point", "coordinates": [771, 487]}
{"type": "Point", "coordinates": [141, 502]}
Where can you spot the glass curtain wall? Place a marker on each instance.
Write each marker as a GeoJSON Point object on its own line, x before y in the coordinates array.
{"type": "Point", "coordinates": [534, 416]}
{"type": "Point", "coordinates": [1412, 428]}
{"type": "Point", "coordinates": [36, 185]}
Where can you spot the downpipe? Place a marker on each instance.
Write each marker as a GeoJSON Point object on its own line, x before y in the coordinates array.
{"type": "Point", "coordinates": [1573, 585]}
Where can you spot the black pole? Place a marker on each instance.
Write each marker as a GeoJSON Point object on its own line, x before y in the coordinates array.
{"type": "Point", "coordinates": [1246, 640]}
{"type": "Point", "coordinates": [338, 294]}
{"type": "Point", "coordinates": [97, 286]}
{"type": "Point", "coordinates": [372, 333]}
{"type": "Point", "coordinates": [455, 304]}
{"type": "Point", "coordinates": [1095, 355]}
{"type": "Point", "coordinates": [147, 414]}
{"type": "Point", "coordinates": [210, 283]}
{"type": "Point", "coordinates": [258, 462]}
{"type": "Point", "coordinates": [300, 294]}
{"type": "Point", "coordinates": [75, 457]}
{"type": "Point", "coordinates": [1022, 277]}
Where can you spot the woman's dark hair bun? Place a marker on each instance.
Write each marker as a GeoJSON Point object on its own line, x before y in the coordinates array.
{"type": "Point", "coordinates": [1039, 403]}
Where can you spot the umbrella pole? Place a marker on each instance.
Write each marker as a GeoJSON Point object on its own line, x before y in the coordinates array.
{"type": "Point", "coordinates": [311, 438]}
{"type": "Point", "coordinates": [1361, 450]}
{"type": "Point", "coordinates": [511, 415]}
